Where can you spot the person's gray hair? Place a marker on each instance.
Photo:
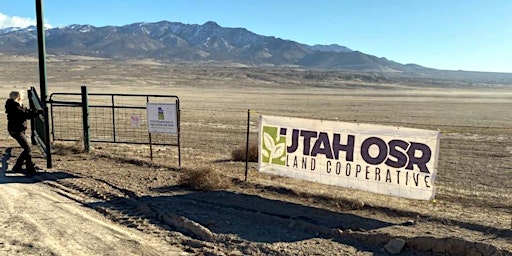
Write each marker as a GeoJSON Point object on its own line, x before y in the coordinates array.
{"type": "Point", "coordinates": [16, 96]}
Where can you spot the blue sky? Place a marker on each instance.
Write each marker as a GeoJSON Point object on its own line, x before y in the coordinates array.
{"type": "Point", "coordinates": [473, 35]}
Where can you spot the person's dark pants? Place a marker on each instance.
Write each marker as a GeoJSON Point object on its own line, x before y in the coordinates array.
{"type": "Point", "coordinates": [26, 155]}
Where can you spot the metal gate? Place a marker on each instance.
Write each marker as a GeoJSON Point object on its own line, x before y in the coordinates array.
{"type": "Point", "coordinates": [109, 118]}
{"type": "Point", "coordinates": [39, 134]}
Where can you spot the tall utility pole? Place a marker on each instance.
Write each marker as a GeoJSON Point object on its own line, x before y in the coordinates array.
{"type": "Point", "coordinates": [42, 77]}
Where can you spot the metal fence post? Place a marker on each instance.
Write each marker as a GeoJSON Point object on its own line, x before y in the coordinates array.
{"type": "Point", "coordinates": [247, 144]}
{"type": "Point", "coordinates": [85, 119]}
{"type": "Point", "coordinates": [113, 117]}
{"type": "Point", "coordinates": [149, 134]}
{"type": "Point", "coordinates": [179, 130]}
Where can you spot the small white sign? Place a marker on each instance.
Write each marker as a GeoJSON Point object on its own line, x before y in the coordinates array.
{"type": "Point", "coordinates": [162, 118]}
{"type": "Point", "coordinates": [135, 121]}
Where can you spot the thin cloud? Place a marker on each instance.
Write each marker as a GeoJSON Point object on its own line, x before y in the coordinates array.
{"type": "Point", "coordinates": [17, 22]}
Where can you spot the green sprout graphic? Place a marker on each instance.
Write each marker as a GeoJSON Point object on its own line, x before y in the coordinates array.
{"type": "Point", "coordinates": [274, 146]}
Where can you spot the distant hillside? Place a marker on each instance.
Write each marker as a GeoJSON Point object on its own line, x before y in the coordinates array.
{"type": "Point", "coordinates": [174, 41]}
{"type": "Point", "coordinates": [329, 48]}
{"type": "Point", "coordinates": [177, 41]}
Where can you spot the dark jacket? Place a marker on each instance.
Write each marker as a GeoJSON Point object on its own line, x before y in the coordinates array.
{"type": "Point", "coordinates": [17, 116]}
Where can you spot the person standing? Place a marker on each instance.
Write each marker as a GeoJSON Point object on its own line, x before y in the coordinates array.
{"type": "Point", "coordinates": [17, 116]}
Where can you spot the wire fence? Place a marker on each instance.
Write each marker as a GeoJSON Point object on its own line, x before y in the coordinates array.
{"type": "Point", "coordinates": [471, 166]}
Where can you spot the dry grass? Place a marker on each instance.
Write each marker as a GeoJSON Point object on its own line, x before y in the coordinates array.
{"type": "Point", "coordinates": [238, 154]}
{"type": "Point", "coordinates": [204, 178]}
{"type": "Point", "coordinates": [69, 148]}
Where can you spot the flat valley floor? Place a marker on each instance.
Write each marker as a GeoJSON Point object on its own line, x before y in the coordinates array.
{"type": "Point", "coordinates": [265, 214]}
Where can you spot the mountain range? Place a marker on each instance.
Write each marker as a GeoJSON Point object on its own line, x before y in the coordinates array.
{"type": "Point", "coordinates": [209, 42]}
{"type": "Point", "coordinates": [177, 41]}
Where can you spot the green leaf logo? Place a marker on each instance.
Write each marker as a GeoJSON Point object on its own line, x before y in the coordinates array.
{"type": "Point", "coordinates": [273, 149]}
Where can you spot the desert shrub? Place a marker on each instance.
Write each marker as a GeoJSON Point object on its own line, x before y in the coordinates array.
{"type": "Point", "coordinates": [238, 154]}
{"type": "Point", "coordinates": [61, 148]}
{"type": "Point", "coordinates": [204, 178]}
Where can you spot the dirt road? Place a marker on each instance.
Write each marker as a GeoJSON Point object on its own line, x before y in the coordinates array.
{"type": "Point", "coordinates": [35, 220]}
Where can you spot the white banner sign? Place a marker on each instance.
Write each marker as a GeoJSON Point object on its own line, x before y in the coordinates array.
{"type": "Point", "coordinates": [162, 118]}
{"type": "Point", "coordinates": [394, 161]}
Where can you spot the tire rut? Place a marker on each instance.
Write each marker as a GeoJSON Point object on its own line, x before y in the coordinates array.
{"type": "Point", "coordinates": [214, 217]}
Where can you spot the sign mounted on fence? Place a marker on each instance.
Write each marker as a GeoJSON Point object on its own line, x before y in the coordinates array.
{"type": "Point", "coordinates": [388, 160]}
{"type": "Point", "coordinates": [162, 118]}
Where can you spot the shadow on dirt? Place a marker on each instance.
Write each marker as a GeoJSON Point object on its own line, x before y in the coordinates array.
{"type": "Point", "coordinates": [496, 232]}
{"type": "Point", "coordinates": [10, 177]}
{"type": "Point", "coordinates": [228, 213]}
